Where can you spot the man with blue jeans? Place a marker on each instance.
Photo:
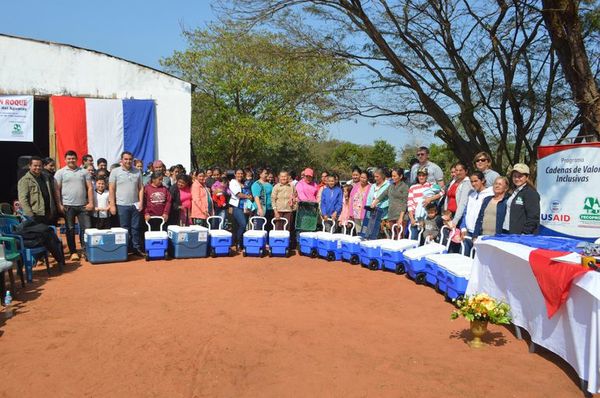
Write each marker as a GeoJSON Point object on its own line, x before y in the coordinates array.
{"type": "Point", "coordinates": [126, 197]}
{"type": "Point", "coordinates": [75, 198]}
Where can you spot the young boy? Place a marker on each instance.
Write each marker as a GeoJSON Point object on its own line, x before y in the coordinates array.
{"type": "Point", "coordinates": [331, 200]}
{"type": "Point", "coordinates": [432, 223]}
{"type": "Point", "coordinates": [101, 217]}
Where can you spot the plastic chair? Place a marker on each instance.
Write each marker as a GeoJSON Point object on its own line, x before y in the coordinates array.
{"type": "Point", "coordinates": [29, 255]}
{"type": "Point", "coordinates": [5, 265]}
{"type": "Point", "coordinates": [11, 253]}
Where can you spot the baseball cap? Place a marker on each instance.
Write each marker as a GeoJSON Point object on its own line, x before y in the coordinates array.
{"type": "Point", "coordinates": [521, 168]}
{"type": "Point", "coordinates": [308, 172]}
{"type": "Point", "coordinates": [423, 170]}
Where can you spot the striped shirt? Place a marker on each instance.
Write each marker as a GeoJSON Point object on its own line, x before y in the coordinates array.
{"type": "Point", "coordinates": [415, 192]}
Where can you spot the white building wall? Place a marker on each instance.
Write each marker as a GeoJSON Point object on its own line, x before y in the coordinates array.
{"type": "Point", "coordinates": [31, 67]}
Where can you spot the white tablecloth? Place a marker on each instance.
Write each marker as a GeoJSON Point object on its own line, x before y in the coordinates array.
{"type": "Point", "coordinates": [502, 270]}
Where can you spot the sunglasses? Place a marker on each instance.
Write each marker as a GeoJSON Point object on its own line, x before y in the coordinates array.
{"type": "Point", "coordinates": [421, 154]}
{"type": "Point", "coordinates": [481, 160]}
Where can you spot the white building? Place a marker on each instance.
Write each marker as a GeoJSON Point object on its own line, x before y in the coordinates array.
{"type": "Point", "coordinates": [43, 69]}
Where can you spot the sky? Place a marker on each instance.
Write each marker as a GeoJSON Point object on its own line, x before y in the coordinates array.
{"type": "Point", "coordinates": [145, 32]}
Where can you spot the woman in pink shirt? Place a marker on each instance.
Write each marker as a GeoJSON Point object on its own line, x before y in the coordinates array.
{"type": "Point", "coordinates": [358, 199]}
{"type": "Point", "coordinates": [307, 188]}
{"type": "Point", "coordinates": [201, 201]}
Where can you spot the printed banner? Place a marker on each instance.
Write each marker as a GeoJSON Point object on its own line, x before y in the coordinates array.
{"type": "Point", "coordinates": [16, 118]}
{"type": "Point", "coordinates": [568, 177]}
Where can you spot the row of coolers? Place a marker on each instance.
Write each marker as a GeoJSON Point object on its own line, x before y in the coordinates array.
{"type": "Point", "coordinates": [450, 273]}
{"type": "Point", "coordinates": [414, 262]}
{"type": "Point", "coordinates": [329, 245]}
{"type": "Point", "coordinates": [106, 245]}
{"type": "Point", "coordinates": [255, 239]}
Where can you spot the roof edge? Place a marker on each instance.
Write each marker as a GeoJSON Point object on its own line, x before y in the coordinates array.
{"type": "Point", "coordinates": [98, 52]}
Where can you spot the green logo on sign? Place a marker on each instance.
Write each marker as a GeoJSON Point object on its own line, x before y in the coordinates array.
{"type": "Point", "coordinates": [591, 206]}
{"type": "Point", "coordinates": [17, 129]}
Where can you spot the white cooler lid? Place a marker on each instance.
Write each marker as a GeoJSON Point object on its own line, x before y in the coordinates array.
{"type": "Point", "coordinates": [118, 230]}
{"type": "Point", "coordinates": [461, 270]}
{"type": "Point", "coordinates": [156, 235]}
{"type": "Point", "coordinates": [197, 228]}
{"type": "Point", "coordinates": [220, 233]}
{"type": "Point", "coordinates": [400, 245]}
{"type": "Point", "coordinates": [373, 243]}
{"type": "Point", "coordinates": [349, 238]}
{"type": "Point", "coordinates": [308, 234]}
{"type": "Point", "coordinates": [279, 234]}
{"type": "Point", "coordinates": [422, 251]}
{"type": "Point", "coordinates": [448, 258]}
{"type": "Point", "coordinates": [255, 234]}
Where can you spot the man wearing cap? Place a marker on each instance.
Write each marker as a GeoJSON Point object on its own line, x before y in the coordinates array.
{"type": "Point", "coordinates": [523, 205]}
{"type": "Point", "coordinates": [126, 193]}
{"type": "Point", "coordinates": [158, 166]}
{"type": "Point", "coordinates": [435, 173]}
{"type": "Point", "coordinates": [306, 188]}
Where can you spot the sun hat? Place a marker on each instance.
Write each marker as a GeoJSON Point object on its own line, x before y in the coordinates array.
{"type": "Point", "coordinates": [308, 172]}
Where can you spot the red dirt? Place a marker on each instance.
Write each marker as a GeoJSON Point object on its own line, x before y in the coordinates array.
{"type": "Point", "coordinates": [237, 327]}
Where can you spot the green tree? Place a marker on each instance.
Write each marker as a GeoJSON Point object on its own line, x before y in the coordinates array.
{"type": "Point", "coordinates": [258, 98]}
{"type": "Point", "coordinates": [381, 154]}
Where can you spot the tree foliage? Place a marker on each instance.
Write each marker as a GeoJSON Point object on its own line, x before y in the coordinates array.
{"type": "Point", "coordinates": [482, 76]}
{"type": "Point", "coordinates": [259, 98]}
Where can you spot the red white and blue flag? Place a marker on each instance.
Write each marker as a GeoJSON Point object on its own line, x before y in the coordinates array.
{"type": "Point", "coordinates": [104, 128]}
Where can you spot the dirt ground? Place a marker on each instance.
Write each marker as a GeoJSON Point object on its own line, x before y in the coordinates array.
{"type": "Point", "coordinates": [248, 327]}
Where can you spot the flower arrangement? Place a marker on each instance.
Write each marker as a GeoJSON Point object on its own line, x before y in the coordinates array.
{"type": "Point", "coordinates": [481, 307]}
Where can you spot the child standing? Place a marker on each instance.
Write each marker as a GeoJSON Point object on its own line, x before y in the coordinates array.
{"type": "Point", "coordinates": [432, 223]}
{"type": "Point", "coordinates": [101, 218]}
{"type": "Point", "coordinates": [331, 201]}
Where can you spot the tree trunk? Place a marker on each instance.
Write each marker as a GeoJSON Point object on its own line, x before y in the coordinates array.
{"type": "Point", "coordinates": [562, 21]}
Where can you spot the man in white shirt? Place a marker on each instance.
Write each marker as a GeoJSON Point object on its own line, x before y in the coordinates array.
{"type": "Point", "coordinates": [435, 173]}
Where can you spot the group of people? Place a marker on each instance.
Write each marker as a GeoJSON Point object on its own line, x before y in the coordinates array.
{"type": "Point", "coordinates": [476, 201]}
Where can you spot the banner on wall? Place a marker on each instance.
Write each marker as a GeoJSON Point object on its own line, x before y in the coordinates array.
{"type": "Point", "coordinates": [16, 118]}
{"type": "Point", "coordinates": [568, 181]}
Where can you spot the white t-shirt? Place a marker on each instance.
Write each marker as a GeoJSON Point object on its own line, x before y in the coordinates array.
{"type": "Point", "coordinates": [101, 200]}
{"type": "Point", "coordinates": [234, 187]}
{"type": "Point", "coordinates": [473, 207]}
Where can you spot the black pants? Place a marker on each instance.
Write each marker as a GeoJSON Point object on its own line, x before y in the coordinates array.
{"type": "Point", "coordinates": [102, 223]}
{"type": "Point", "coordinates": [83, 217]}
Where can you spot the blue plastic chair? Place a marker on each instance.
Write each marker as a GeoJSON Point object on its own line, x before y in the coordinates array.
{"type": "Point", "coordinates": [30, 255]}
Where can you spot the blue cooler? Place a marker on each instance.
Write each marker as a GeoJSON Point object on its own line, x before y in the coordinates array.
{"type": "Point", "coordinates": [435, 268]}
{"type": "Point", "coordinates": [220, 239]}
{"type": "Point", "coordinates": [370, 253]}
{"type": "Point", "coordinates": [414, 260]}
{"type": "Point", "coordinates": [351, 249]}
{"type": "Point", "coordinates": [188, 242]}
{"type": "Point", "coordinates": [106, 245]}
{"type": "Point", "coordinates": [156, 243]}
{"type": "Point", "coordinates": [329, 246]}
{"type": "Point", "coordinates": [308, 244]}
{"type": "Point", "coordinates": [392, 254]}
{"type": "Point", "coordinates": [255, 242]}
{"type": "Point", "coordinates": [457, 278]}
{"type": "Point", "coordinates": [279, 240]}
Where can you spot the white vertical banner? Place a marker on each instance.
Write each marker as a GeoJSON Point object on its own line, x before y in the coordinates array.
{"type": "Point", "coordinates": [568, 181]}
{"type": "Point", "coordinates": [16, 118]}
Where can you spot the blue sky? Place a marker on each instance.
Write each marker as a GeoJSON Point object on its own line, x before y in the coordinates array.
{"type": "Point", "coordinates": [144, 32]}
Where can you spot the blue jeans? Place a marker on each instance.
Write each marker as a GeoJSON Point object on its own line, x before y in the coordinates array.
{"type": "Point", "coordinates": [129, 218]}
{"type": "Point", "coordinates": [83, 217]}
{"type": "Point", "coordinates": [240, 224]}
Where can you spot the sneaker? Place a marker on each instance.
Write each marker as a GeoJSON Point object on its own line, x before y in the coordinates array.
{"type": "Point", "coordinates": [139, 253]}
{"type": "Point", "coordinates": [74, 257]}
